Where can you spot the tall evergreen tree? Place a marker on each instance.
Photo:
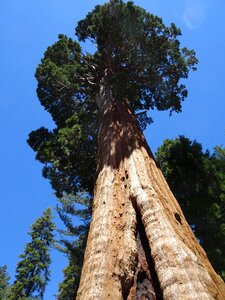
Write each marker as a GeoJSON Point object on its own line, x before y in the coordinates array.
{"type": "Point", "coordinates": [139, 243]}
{"type": "Point", "coordinates": [32, 272]}
{"type": "Point", "coordinates": [4, 283]}
{"type": "Point", "coordinates": [197, 180]}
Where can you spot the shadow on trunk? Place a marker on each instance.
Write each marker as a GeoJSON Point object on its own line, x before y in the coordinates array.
{"type": "Point", "coordinates": [119, 135]}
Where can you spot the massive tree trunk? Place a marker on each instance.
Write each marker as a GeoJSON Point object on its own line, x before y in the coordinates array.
{"type": "Point", "coordinates": [139, 245]}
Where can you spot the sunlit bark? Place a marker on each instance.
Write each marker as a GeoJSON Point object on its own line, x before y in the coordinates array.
{"type": "Point", "coordinates": [139, 241]}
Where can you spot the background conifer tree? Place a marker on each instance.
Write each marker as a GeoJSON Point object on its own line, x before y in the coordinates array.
{"type": "Point", "coordinates": [4, 283]}
{"type": "Point", "coordinates": [32, 272]}
{"type": "Point", "coordinates": [75, 212]}
{"type": "Point", "coordinates": [197, 180]}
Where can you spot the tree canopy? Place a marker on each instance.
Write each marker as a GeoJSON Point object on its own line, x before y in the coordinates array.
{"type": "Point", "coordinates": [136, 56]}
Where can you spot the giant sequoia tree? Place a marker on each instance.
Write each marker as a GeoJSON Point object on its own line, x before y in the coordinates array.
{"type": "Point", "coordinates": [139, 244]}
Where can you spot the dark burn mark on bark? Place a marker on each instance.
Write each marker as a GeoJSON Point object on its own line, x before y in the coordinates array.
{"type": "Point", "coordinates": [145, 284]}
{"type": "Point", "coordinates": [148, 286]}
{"type": "Point", "coordinates": [178, 217]}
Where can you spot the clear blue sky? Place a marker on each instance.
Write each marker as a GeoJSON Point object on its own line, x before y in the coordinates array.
{"type": "Point", "coordinates": [27, 28]}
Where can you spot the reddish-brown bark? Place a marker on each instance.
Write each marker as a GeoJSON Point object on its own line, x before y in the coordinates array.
{"type": "Point", "coordinates": [140, 245]}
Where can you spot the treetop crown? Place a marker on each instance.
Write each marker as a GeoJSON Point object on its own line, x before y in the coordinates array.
{"type": "Point", "coordinates": [137, 57]}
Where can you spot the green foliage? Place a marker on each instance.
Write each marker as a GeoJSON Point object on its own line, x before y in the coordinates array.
{"type": "Point", "coordinates": [58, 85]}
{"type": "Point", "coordinates": [4, 283]}
{"type": "Point", "coordinates": [63, 151]}
{"type": "Point", "coordinates": [32, 272]}
{"type": "Point", "coordinates": [73, 240]}
{"type": "Point", "coordinates": [69, 286]}
{"type": "Point", "coordinates": [198, 182]}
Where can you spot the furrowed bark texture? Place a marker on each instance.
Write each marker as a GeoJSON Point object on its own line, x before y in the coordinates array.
{"type": "Point", "coordinates": [140, 245]}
